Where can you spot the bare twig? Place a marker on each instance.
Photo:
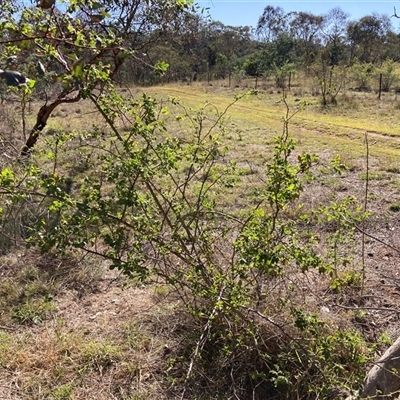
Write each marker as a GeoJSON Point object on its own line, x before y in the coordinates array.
{"type": "Point", "coordinates": [202, 341]}
{"type": "Point", "coordinates": [361, 230]}
{"type": "Point", "coordinates": [41, 121]}
{"type": "Point", "coordinates": [365, 210]}
{"type": "Point", "coordinates": [367, 308]}
{"type": "Point", "coordinates": [7, 328]}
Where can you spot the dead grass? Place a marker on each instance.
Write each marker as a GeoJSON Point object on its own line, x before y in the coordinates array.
{"type": "Point", "coordinates": [95, 344]}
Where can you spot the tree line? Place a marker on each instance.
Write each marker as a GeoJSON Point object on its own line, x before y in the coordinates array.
{"type": "Point", "coordinates": [282, 43]}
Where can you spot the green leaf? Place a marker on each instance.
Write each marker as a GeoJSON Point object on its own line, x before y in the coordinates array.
{"type": "Point", "coordinates": [160, 68]}
{"type": "Point", "coordinates": [78, 72]}
{"type": "Point", "coordinates": [7, 177]}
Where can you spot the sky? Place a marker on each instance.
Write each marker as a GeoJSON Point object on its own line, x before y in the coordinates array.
{"type": "Point", "coordinates": [246, 12]}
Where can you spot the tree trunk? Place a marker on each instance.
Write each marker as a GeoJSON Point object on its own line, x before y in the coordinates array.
{"type": "Point", "coordinates": [383, 380]}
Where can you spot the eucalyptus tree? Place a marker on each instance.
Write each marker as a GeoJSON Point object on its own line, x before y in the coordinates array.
{"type": "Point", "coordinates": [202, 48]}
{"type": "Point", "coordinates": [227, 44]}
{"type": "Point", "coordinates": [334, 34]}
{"type": "Point", "coordinates": [306, 29]}
{"type": "Point", "coordinates": [392, 46]}
{"type": "Point", "coordinates": [329, 67]}
{"type": "Point", "coordinates": [367, 37]}
{"type": "Point", "coordinates": [272, 23]}
{"type": "Point", "coordinates": [276, 58]}
{"type": "Point", "coordinates": [188, 46]}
{"type": "Point", "coordinates": [257, 64]}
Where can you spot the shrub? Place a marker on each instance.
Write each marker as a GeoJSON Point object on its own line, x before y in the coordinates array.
{"type": "Point", "coordinates": [154, 208]}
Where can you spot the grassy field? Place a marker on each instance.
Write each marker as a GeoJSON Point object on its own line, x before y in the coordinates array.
{"type": "Point", "coordinates": [72, 329]}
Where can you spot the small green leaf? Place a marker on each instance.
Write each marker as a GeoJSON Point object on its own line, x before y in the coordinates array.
{"type": "Point", "coordinates": [160, 68]}
{"type": "Point", "coordinates": [6, 177]}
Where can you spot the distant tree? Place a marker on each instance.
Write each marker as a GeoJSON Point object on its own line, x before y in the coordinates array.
{"type": "Point", "coordinates": [361, 73]}
{"type": "Point", "coordinates": [330, 77]}
{"type": "Point", "coordinates": [305, 28]}
{"type": "Point", "coordinates": [272, 23]}
{"type": "Point", "coordinates": [367, 37]}
{"type": "Point", "coordinates": [277, 58]}
{"type": "Point", "coordinates": [283, 74]}
{"type": "Point", "coordinates": [391, 49]}
{"type": "Point", "coordinates": [334, 34]}
{"type": "Point", "coordinates": [388, 75]}
{"type": "Point", "coordinates": [283, 50]}
{"type": "Point", "coordinates": [206, 49]}
{"type": "Point", "coordinates": [229, 44]}
{"type": "Point", "coordinates": [328, 67]}
{"type": "Point", "coordinates": [334, 25]}
{"type": "Point", "coordinates": [258, 64]}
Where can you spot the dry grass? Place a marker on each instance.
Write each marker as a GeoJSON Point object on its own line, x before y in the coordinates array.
{"type": "Point", "coordinates": [95, 343]}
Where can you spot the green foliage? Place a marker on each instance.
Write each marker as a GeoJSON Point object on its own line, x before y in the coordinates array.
{"type": "Point", "coordinates": [338, 358]}
{"type": "Point", "coordinates": [75, 51]}
{"type": "Point", "coordinates": [283, 73]}
{"type": "Point", "coordinates": [340, 218]}
{"type": "Point", "coordinates": [99, 356]}
{"type": "Point", "coordinates": [260, 243]}
{"type": "Point", "coordinates": [337, 165]}
{"type": "Point", "coordinates": [33, 311]}
{"type": "Point", "coordinates": [362, 73]}
{"type": "Point", "coordinates": [329, 76]}
{"type": "Point", "coordinates": [385, 339]}
{"type": "Point", "coordinates": [161, 67]}
{"type": "Point", "coordinates": [389, 73]}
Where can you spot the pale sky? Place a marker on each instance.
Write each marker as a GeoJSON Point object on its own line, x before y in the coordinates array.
{"type": "Point", "coordinates": [246, 12]}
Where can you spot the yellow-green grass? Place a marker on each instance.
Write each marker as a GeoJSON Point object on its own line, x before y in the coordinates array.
{"type": "Point", "coordinates": [251, 125]}
{"type": "Point", "coordinates": [254, 121]}
{"type": "Point", "coordinates": [264, 109]}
